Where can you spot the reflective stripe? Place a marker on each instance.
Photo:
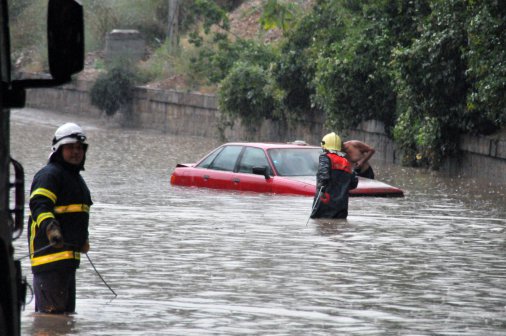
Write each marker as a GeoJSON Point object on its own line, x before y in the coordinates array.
{"type": "Point", "coordinates": [33, 230]}
{"type": "Point", "coordinates": [37, 261]}
{"type": "Point", "coordinates": [72, 208]}
{"type": "Point", "coordinates": [44, 215]}
{"type": "Point", "coordinates": [44, 192]}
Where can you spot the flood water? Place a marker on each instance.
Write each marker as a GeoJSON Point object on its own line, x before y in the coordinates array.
{"type": "Point", "coordinates": [201, 262]}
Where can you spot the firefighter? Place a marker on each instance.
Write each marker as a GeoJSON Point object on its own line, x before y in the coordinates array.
{"type": "Point", "coordinates": [58, 224]}
{"type": "Point", "coordinates": [334, 178]}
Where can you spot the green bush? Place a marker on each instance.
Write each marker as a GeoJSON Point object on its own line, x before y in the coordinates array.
{"type": "Point", "coordinates": [486, 101]}
{"type": "Point", "coordinates": [432, 83]}
{"type": "Point", "coordinates": [351, 89]}
{"type": "Point", "coordinates": [250, 94]}
{"type": "Point", "coordinates": [295, 68]}
{"type": "Point", "coordinates": [215, 60]}
{"type": "Point", "coordinates": [113, 90]}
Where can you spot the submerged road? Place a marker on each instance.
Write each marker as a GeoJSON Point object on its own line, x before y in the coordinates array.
{"type": "Point", "coordinates": [200, 262]}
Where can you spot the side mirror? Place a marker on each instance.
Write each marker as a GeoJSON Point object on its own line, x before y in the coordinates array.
{"type": "Point", "coordinates": [65, 43]}
{"type": "Point", "coordinates": [262, 171]}
{"type": "Point", "coordinates": [65, 38]}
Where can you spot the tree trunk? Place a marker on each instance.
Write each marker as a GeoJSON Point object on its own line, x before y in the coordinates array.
{"type": "Point", "coordinates": [173, 23]}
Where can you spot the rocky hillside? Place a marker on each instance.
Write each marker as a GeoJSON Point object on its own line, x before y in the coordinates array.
{"type": "Point", "coordinates": [244, 22]}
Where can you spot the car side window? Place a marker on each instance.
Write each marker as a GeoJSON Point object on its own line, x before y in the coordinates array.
{"type": "Point", "coordinates": [253, 157]}
{"type": "Point", "coordinates": [226, 159]}
{"type": "Point", "coordinates": [209, 159]}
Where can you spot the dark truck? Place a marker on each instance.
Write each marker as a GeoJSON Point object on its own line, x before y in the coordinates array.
{"type": "Point", "coordinates": [65, 46]}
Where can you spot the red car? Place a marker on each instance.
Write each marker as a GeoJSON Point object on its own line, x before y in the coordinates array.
{"type": "Point", "coordinates": [266, 168]}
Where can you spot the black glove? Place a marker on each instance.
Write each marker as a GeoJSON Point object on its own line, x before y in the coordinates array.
{"type": "Point", "coordinates": [322, 186]}
{"type": "Point", "coordinates": [53, 232]}
{"type": "Point", "coordinates": [86, 247]}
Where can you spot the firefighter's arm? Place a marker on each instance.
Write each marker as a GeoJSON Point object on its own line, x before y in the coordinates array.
{"type": "Point", "coordinates": [42, 201]}
{"type": "Point", "coordinates": [323, 173]}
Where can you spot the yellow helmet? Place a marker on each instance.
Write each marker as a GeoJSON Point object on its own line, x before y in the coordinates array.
{"type": "Point", "coordinates": [331, 142]}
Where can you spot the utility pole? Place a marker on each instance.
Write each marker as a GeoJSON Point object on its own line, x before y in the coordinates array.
{"type": "Point", "coordinates": [173, 23]}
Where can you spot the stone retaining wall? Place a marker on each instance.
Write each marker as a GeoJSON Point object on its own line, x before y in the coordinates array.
{"type": "Point", "coordinates": [197, 114]}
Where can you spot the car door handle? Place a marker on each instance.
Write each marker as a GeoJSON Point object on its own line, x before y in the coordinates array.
{"type": "Point", "coordinates": [236, 180]}
{"type": "Point", "coordinates": [205, 177]}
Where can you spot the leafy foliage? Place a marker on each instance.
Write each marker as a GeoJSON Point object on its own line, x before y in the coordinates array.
{"type": "Point", "coordinates": [249, 93]}
{"type": "Point", "coordinates": [296, 68]}
{"type": "Point", "coordinates": [243, 68]}
{"type": "Point", "coordinates": [432, 82]}
{"type": "Point", "coordinates": [216, 61]}
{"type": "Point", "coordinates": [429, 69]}
{"type": "Point", "coordinates": [486, 72]}
{"type": "Point", "coordinates": [113, 90]}
{"type": "Point", "coordinates": [204, 15]}
{"type": "Point", "coordinates": [277, 15]}
{"type": "Point", "coordinates": [357, 89]}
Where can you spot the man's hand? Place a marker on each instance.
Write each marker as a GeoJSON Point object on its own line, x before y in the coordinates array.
{"type": "Point", "coordinates": [322, 186]}
{"type": "Point", "coordinates": [53, 232]}
{"type": "Point", "coordinates": [325, 198]}
{"type": "Point", "coordinates": [86, 247]}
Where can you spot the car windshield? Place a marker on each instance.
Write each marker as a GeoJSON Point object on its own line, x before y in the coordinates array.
{"type": "Point", "coordinates": [295, 161]}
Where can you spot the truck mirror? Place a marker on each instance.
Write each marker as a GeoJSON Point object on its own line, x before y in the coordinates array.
{"type": "Point", "coordinates": [65, 38]}
{"type": "Point", "coordinates": [65, 43]}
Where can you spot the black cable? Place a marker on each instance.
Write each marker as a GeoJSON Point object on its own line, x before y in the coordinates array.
{"type": "Point", "coordinates": [92, 265]}
{"type": "Point", "coordinates": [87, 256]}
{"type": "Point", "coordinates": [37, 251]}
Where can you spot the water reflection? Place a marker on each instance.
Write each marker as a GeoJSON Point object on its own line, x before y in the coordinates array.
{"type": "Point", "coordinates": [186, 261]}
{"type": "Point", "coordinates": [48, 325]}
{"type": "Point", "coordinates": [326, 227]}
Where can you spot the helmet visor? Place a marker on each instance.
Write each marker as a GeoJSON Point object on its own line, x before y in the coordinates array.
{"type": "Point", "coordinates": [74, 137]}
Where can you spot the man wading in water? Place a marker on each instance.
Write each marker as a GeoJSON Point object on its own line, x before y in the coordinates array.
{"type": "Point", "coordinates": [58, 224]}
{"type": "Point", "coordinates": [334, 179]}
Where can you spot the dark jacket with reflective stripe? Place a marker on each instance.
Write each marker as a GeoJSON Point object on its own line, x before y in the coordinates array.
{"type": "Point", "coordinates": [58, 191]}
{"type": "Point", "coordinates": [336, 175]}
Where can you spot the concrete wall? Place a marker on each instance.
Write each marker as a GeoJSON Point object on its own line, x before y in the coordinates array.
{"type": "Point", "coordinates": [124, 44]}
{"type": "Point", "coordinates": [483, 157]}
{"type": "Point", "coordinates": [174, 112]}
{"type": "Point", "coordinates": [197, 114]}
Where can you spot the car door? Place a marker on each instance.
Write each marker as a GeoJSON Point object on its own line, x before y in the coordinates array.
{"type": "Point", "coordinates": [245, 180]}
{"type": "Point", "coordinates": [218, 172]}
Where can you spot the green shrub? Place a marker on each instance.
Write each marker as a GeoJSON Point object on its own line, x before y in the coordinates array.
{"type": "Point", "coordinates": [352, 84]}
{"type": "Point", "coordinates": [215, 60]}
{"type": "Point", "coordinates": [250, 94]}
{"type": "Point", "coordinates": [432, 83]}
{"type": "Point", "coordinates": [113, 90]}
{"type": "Point", "coordinates": [486, 101]}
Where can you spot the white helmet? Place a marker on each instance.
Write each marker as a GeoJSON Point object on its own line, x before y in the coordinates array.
{"type": "Point", "coordinates": [66, 134]}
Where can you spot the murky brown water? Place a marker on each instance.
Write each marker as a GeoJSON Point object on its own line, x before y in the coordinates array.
{"type": "Point", "coordinates": [200, 262]}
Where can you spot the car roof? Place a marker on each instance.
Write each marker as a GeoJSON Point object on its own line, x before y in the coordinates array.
{"type": "Point", "coordinates": [270, 145]}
